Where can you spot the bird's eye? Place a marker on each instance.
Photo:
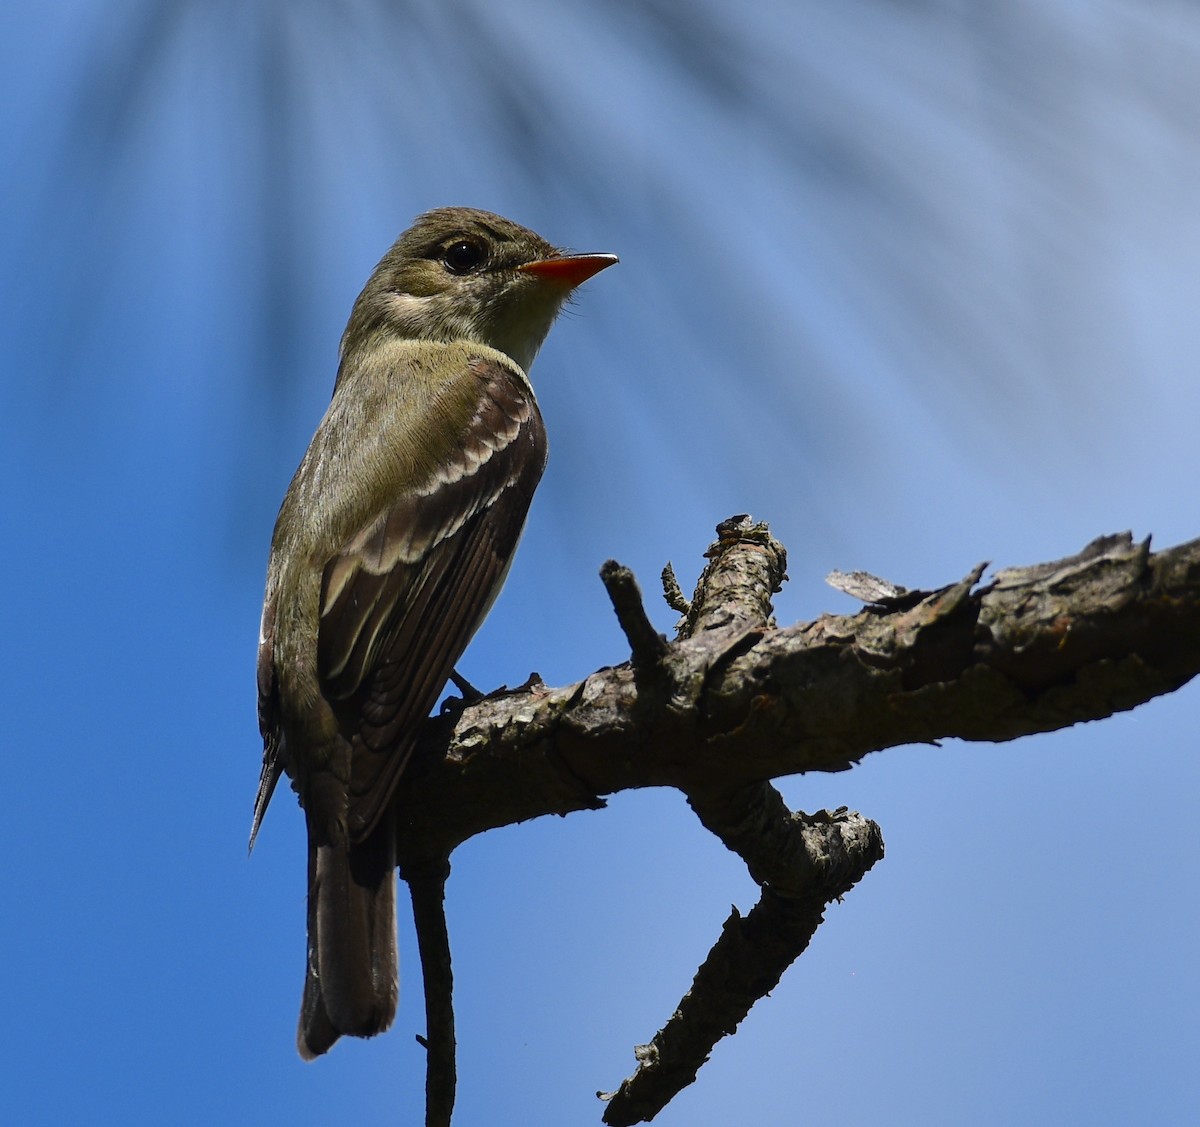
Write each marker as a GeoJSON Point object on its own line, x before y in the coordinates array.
{"type": "Point", "coordinates": [463, 257]}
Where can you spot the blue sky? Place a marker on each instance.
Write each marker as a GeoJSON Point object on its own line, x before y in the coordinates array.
{"type": "Point", "coordinates": [916, 284]}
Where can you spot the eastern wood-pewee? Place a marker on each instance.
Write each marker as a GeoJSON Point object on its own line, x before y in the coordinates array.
{"type": "Point", "coordinates": [392, 541]}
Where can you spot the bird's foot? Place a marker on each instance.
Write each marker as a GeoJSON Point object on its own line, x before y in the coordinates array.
{"type": "Point", "coordinates": [472, 695]}
{"type": "Point", "coordinates": [469, 692]}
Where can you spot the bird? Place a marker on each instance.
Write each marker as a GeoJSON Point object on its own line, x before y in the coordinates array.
{"type": "Point", "coordinates": [391, 543]}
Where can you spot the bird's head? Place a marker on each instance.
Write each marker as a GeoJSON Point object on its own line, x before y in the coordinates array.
{"type": "Point", "coordinates": [462, 274]}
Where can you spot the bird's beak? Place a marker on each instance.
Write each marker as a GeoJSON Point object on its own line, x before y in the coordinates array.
{"type": "Point", "coordinates": [570, 270]}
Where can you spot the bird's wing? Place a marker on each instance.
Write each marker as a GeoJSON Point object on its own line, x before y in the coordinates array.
{"type": "Point", "coordinates": [268, 719]}
{"type": "Point", "coordinates": [401, 600]}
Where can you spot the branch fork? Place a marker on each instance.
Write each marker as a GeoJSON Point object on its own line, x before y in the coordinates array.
{"type": "Point", "coordinates": [801, 862]}
{"type": "Point", "coordinates": [735, 701]}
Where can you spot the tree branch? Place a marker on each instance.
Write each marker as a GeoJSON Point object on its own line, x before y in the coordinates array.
{"type": "Point", "coordinates": [1034, 650]}
{"type": "Point", "coordinates": [810, 860]}
{"type": "Point", "coordinates": [647, 647]}
{"type": "Point", "coordinates": [735, 701]}
{"type": "Point", "coordinates": [801, 862]}
{"type": "Point", "coordinates": [427, 888]}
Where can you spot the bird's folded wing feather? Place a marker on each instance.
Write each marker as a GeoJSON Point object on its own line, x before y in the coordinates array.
{"type": "Point", "coordinates": [400, 602]}
{"type": "Point", "coordinates": [268, 720]}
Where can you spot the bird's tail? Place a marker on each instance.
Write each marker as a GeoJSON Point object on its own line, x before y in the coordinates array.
{"type": "Point", "coordinates": [353, 975]}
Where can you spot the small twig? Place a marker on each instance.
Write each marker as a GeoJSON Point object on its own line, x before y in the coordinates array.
{"type": "Point", "coordinates": [672, 591]}
{"type": "Point", "coordinates": [647, 646]}
{"type": "Point", "coordinates": [427, 886]}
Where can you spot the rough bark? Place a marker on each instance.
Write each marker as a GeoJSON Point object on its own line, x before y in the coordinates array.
{"type": "Point", "coordinates": [740, 701]}
{"type": "Point", "coordinates": [735, 701]}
